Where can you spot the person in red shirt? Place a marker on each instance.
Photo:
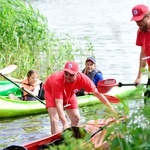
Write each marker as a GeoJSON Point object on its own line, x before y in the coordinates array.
{"type": "Point", "coordinates": [60, 93]}
{"type": "Point", "coordinates": [141, 15]}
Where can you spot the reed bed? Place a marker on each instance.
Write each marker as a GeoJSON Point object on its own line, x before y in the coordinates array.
{"type": "Point", "coordinates": [27, 41]}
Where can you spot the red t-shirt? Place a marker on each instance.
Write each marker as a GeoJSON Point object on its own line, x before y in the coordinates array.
{"type": "Point", "coordinates": [143, 39]}
{"type": "Point", "coordinates": [56, 88]}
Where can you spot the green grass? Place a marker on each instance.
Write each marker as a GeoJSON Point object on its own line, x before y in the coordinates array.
{"type": "Point", "coordinates": [27, 41]}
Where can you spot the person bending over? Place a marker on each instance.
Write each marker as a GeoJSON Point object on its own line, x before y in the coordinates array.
{"type": "Point", "coordinates": [60, 94]}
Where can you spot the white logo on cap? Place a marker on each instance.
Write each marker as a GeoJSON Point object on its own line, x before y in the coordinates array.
{"type": "Point", "coordinates": [76, 90]}
{"type": "Point", "coordinates": [69, 65]}
{"type": "Point", "coordinates": [135, 12]}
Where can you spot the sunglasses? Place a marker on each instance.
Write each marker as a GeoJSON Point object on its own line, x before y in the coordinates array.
{"type": "Point", "coordinates": [68, 74]}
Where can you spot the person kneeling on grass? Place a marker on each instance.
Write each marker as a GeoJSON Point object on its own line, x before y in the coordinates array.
{"type": "Point", "coordinates": [60, 93]}
{"type": "Point", "coordinates": [31, 83]}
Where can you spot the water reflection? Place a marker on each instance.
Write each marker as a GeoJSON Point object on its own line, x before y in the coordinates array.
{"type": "Point", "coordinates": [106, 23]}
{"type": "Point", "coordinates": [19, 130]}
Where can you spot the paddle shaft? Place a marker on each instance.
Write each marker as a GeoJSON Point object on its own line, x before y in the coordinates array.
{"type": "Point", "coordinates": [101, 128]}
{"type": "Point", "coordinates": [132, 84]}
{"type": "Point", "coordinates": [22, 88]}
{"type": "Point", "coordinates": [121, 84]}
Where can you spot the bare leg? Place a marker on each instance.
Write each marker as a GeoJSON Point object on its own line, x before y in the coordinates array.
{"type": "Point", "coordinates": [74, 116]}
{"type": "Point", "coordinates": [53, 120]}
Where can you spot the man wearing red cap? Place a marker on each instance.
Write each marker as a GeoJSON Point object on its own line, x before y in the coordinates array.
{"type": "Point", "coordinates": [141, 16]}
{"type": "Point", "coordinates": [60, 93]}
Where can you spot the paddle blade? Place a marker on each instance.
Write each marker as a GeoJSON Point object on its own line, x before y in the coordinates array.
{"type": "Point", "coordinates": [105, 86]}
{"type": "Point", "coordinates": [112, 99]}
{"type": "Point", "coordinates": [8, 69]}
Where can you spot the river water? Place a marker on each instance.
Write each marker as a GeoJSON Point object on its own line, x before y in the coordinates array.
{"type": "Point", "coordinates": [108, 25]}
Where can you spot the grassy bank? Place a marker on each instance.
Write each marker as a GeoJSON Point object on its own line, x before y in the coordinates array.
{"type": "Point", "coordinates": [27, 42]}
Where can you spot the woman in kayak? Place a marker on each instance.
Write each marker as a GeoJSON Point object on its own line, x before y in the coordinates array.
{"type": "Point", "coordinates": [60, 89]}
{"type": "Point", "coordinates": [31, 83]}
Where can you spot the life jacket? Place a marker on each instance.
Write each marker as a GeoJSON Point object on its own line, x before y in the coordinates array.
{"type": "Point", "coordinates": [35, 88]}
{"type": "Point", "coordinates": [91, 74]}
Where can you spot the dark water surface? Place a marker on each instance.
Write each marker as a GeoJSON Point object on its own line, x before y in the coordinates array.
{"type": "Point", "coordinates": [108, 25]}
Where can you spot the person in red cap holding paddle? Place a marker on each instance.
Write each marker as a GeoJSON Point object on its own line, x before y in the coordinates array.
{"type": "Point", "coordinates": [60, 93]}
{"type": "Point", "coordinates": [141, 15]}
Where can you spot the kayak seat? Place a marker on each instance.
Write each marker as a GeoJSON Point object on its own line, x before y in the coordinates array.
{"type": "Point", "coordinates": [15, 147]}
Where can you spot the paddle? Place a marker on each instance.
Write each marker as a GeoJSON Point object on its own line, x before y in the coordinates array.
{"type": "Point", "coordinates": [22, 88]}
{"type": "Point", "coordinates": [112, 99]}
{"type": "Point", "coordinates": [100, 137]}
{"type": "Point", "coordinates": [105, 86]}
{"type": "Point", "coordinates": [102, 128]}
{"type": "Point", "coordinates": [8, 69]}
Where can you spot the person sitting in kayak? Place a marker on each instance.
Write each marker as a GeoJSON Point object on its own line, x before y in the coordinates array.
{"type": "Point", "coordinates": [31, 83]}
{"type": "Point", "coordinates": [92, 72]}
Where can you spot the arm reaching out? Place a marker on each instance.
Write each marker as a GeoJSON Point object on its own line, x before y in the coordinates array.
{"type": "Point", "coordinates": [104, 100]}
{"type": "Point", "coordinates": [142, 64]}
{"type": "Point", "coordinates": [15, 79]}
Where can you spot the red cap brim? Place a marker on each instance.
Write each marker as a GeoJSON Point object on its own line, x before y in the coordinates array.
{"type": "Point", "coordinates": [137, 18]}
{"type": "Point", "coordinates": [70, 71]}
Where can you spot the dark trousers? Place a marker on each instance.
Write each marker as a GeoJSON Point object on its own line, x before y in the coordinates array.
{"type": "Point", "coordinates": [147, 93]}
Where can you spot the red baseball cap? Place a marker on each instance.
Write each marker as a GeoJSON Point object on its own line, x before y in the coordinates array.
{"type": "Point", "coordinates": [72, 67]}
{"type": "Point", "coordinates": [139, 12]}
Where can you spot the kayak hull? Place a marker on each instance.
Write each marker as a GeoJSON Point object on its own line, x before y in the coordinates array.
{"type": "Point", "coordinates": [92, 128]}
{"type": "Point", "coordinates": [16, 108]}
{"type": "Point", "coordinates": [6, 88]}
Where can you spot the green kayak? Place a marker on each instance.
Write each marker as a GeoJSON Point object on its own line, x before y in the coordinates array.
{"type": "Point", "coordinates": [15, 108]}
{"type": "Point", "coordinates": [6, 87]}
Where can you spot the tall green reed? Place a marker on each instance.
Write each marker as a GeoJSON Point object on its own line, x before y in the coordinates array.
{"type": "Point", "coordinates": [27, 41]}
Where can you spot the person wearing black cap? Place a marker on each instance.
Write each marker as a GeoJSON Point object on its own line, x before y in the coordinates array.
{"type": "Point", "coordinates": [141, 15]}
{"type": "Point", "coordinates": [92, 72]}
